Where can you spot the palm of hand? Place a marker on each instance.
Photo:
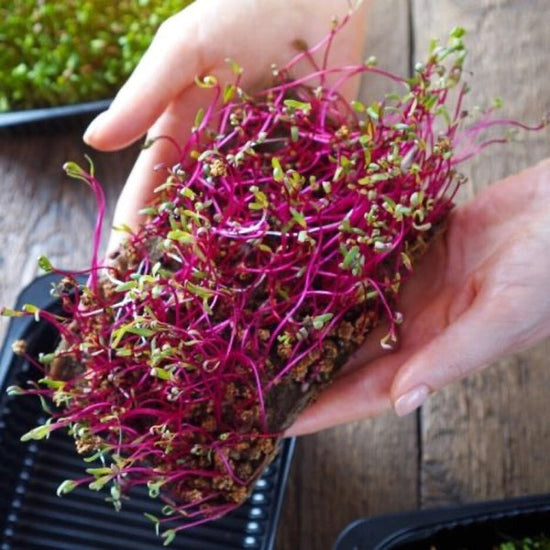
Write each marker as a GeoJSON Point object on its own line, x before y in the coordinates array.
{"type": "Point", "coordinates": [478, 294]}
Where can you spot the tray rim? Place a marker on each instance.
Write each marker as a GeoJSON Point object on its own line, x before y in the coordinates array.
{"type": "Point", "coordinates": [380, 532]}
{"type": "Point", "coordinates": [22, 117]}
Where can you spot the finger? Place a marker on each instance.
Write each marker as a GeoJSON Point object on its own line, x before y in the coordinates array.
{"type": "Point", "coordinates": [167, 68]}
{"type": "Point", "coordinates": [368, 352]}
{"type": "Point", "coordinates": [471, 342]}
{"type": "Point", "coordinates": [360, 394]}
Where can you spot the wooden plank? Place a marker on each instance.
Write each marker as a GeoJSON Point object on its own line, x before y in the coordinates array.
{"type": "Point", "coordinates": [367, 467]}
{"type": "Point", "coordinates": [487, 436]}
{"type": "Point", "coordinates": [43, 211]}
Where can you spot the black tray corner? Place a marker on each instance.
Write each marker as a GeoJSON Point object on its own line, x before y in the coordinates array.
{"type": "Point", "coordinates": [450, 528]}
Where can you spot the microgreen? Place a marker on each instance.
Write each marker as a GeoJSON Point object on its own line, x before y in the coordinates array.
{"type": "Point", "coordinates": [529, 543]}
{"type": "Point", "coordinates": [57, 53]}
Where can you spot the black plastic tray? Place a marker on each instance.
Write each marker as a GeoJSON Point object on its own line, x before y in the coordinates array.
{"type": "Point", "coordinates": [470, 527]}
{"type": "Point", "coordinates": [51, 118]}
{"type": "Point", "coordinates": [32, 517]}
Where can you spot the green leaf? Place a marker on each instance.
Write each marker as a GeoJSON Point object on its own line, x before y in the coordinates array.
{"type": "Point", "coordinates": [402, 127]}
{"type": "Point", "coordinates": [444, 112]}
{"type": "Point", "coordinates": [12, 391]}
{"type": "Point", "coordinates": [351, 256]}
{"type": "Point", "coordinates": [155, 520]}
{"type": "Point", "coordinates": [46, 358]}
{"type": "Point", "coordinates": [364, 140]}
{"type": "Point", "coordinates": [98, 472]}
{"type": "Point", "coordinates": [358, 106]}
{"type": "Point", "coordinates": [100, 482]}
{"type": "Point", "coordinates": [340, 171]}
{"type": "Point", "coordinates": [405, 258]}
{"type": "Point", "coordinates": [228, 92]}
{"type": "Point", "coordinates": [278, 174]}
{"type": "Point", "coordinates": [298, 217]}
{"type": "Point", "coordinates": [198, 290]}
{"type": "Point", "coordinates": [265, 248]}
{"type": "Point", "coordinates": [302, 236]}
{"type": "Point", "coordinates": [128, 285]}
{"type": "Point", "coordinates": [422, 227]}
{"type": "Point", "coordinates": [417, 198]}
{"type": "Point", "coordinates": [118, 334]}
{"type": "Point", "coordinates": [181, 236]}
{"type": "Point", "coordinates": [374, 111]}
{"type": "Point", "coordinates": [115, 492]}
{"type": "Point", "coordinates": [73, 170]}
{"type": "Point", "coordinates": [151, 517]}
{"type": "Point", "coordinates": [434, 42]}
{"type": "Point", "coordinates": [321, 320]}
{"type": "Point", "coordinates": [66, 487]}
{"type": "Point", "coordinates": [168, 537]}
{"type": "Point", "coordinates": [8, 312]}
{"type": "Point", "coordinates": [44, 264]}
{"type": "Point", "coordinates": [371, 61]}
{"type": "Point", "coordinates": [389, 204]}
{"type": "Point", "coordinates": [261, 199]}
{"type": "Point", "coordinates": [38, 433]}
{"type": "Point", "coordinates": [430, 101]}
{"type": "Point", "coordinates": [458, 32]}
{"type": "Point", "coordinates": [235, 67]}
{"type": "Point", "coordinates": [380, 177]}
{"type": "Point", "coordinates": [367, 180]}
{"type": "Point", "coordinates": [161, 373]}
{"type": "Point", "coordinates": [148, 211]}
{"type": "Point", "coordinates": [300, 105]}
{"type": "Point", "coordinates": [199, 117]}
{"type": "Point", "coordinates": [188, 193]}
{"type": "Point", "coordinates": [50, 383]}
{"type": "Point", "coordinates": [141, 331]}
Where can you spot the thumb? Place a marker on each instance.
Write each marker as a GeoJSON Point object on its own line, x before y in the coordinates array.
{"type": "Point", "coordinates": [471, 342]}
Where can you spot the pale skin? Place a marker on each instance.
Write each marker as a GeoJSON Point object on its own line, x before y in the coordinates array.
{"type": "Point", "coordinates": [469, 301]}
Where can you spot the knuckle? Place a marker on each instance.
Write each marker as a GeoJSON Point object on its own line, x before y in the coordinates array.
{"type": "Point", "coordinates": [167, 28]}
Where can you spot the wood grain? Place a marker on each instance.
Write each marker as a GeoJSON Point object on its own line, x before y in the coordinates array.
{"type": "Point", "coordinates": [367, 467]}
{"type": "Point", "coordinates": [45, 212]}
{"type": "Point", "coordinates": [488, 436]}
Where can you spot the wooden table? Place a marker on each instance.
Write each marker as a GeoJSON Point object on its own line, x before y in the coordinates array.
{"type": "Point", "coordinates": [483, 438]}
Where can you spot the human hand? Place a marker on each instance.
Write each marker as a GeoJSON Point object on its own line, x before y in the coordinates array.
{"type": "Point", "coordinates": [160, 97]}
{"type": "Point", "coordinates": [481, 292]}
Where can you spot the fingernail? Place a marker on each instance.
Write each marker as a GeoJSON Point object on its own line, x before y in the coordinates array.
{"type": "Point", "coordinates": [92, 128]}
{"type": "Point", "coordinates": [411, 400]}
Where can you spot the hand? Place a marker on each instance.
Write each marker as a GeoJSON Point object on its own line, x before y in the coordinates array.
{"type": "Point", "coordinates": [161, 98]}
{"type": "Point", "coordinates": [481, 292]}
